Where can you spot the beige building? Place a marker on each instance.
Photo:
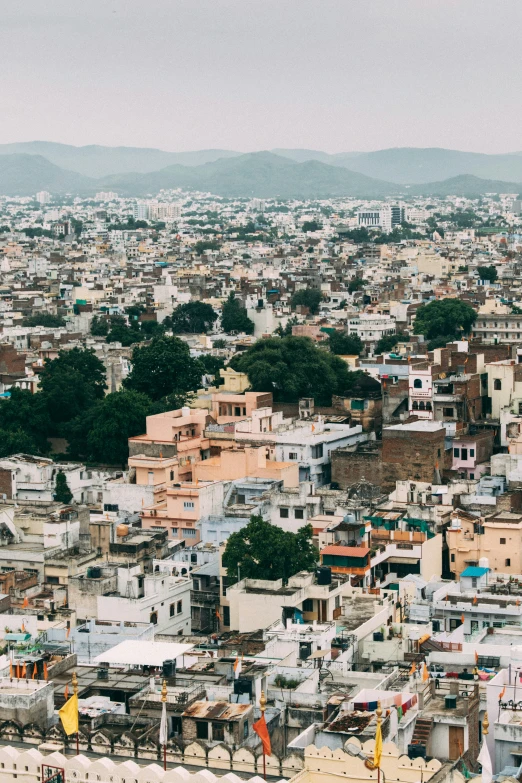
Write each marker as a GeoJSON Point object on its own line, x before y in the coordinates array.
{"type": "Point", "coordinates": [497, 538]}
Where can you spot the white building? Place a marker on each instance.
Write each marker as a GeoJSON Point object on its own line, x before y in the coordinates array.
{"type": "Point", "coordinates": [43, 197]}
{"type": "Point", "coordinates": [370, 328]}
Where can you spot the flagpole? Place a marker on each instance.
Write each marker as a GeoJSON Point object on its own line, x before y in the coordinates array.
{"type": "Point", "coordinates": [378, 712]}
{"type": "Point", "coordinates": [262, 707]}
{"type": "Point", "coordinates": [75, 691]}
{"type": "Point", "coordinates": [164, 701]}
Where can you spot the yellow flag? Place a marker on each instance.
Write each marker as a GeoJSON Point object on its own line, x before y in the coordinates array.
{"type": "Point", "coordinates": [69, 715]}
{"type": "Point", "coordinates": [377, 753]}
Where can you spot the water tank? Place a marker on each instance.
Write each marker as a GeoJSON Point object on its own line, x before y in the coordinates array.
{"type": "Point", "coordinates": [450, 702]}
{"type": "Point", "coordinates": [349, 518]}
{"type": "Point", "coordinates": [484, 562]}
{"type": "Point", "coordinates": [122, 530]}
{"type": "Point", "coordinates": [169, 668]}
{"type": "Point", "coordinates": [324, 575]}
{"type": "Point", "coordinates": [414, 633]}
{"type": "Point", "coordinates": [378, 636]}
{"type": "Point", "coordinates": [94, 572]}
{"type": "Point", "coordinates": [416, 751]}
{"type": "Point", "coordinates": [103, 674]}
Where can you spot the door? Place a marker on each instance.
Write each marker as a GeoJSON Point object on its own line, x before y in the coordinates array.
{"type": "Point", "coordinates": [456, 742]}
{"type": "Point", "coordinates": [474, 626]}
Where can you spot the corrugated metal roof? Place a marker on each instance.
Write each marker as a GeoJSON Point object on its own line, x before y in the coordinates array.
{"type": "Point", "coordinates": [216, 710]}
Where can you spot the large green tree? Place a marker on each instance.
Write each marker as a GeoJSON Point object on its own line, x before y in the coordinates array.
{"type": "Point", "coordinates": [488, 273]}
{"type": "Point", "coordinates": [17, 441]}
{"type": "Point", "coordinates": [264, 551]}
{"type": "Point", "coordinates": [193, 318]}
{"type": "Point", "coordinates": [345, 344]}
{"type": "Point", "coordinates": [71, 384]}
{"type": "Point", "coordinates": [450, 318]}
{"type": "Point", "coordinates": [293, 367]}
{"type": "Point", "coordinates": [234, 317]}
{"type": "Point", "coordinates": [102, 434]}
{"type": "Point", "coordinates": [24, 413]}
{"type": "Point", "coordinates": [44, 319]}
{"type": "Point", "coordinates": [162, 368]}
{"type": "Point", "coordinates": [308, 297]}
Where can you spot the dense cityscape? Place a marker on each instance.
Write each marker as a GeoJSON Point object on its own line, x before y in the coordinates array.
{"type": "Point", "coordinates": [260, 396]}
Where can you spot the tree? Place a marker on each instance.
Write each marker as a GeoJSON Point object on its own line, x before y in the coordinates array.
{"type": "Point", "coordinates": [71, 384]}
{"type": "Point", "coordinates": [444, 317]}
{"type": "Point", "coordinates": [62, 493]}
{"type": "Point", "coordinates": [355, 284]}
{"type": "Point", "coordinates": [164, 367]}
{"type": "Point", "coordinates": [121, 332]}
{"type": "Point", "coordinates": [219, 343]}
{"type": "Point", "coordinates": [264, 551]}
{"type": "Point", "coordinates": [308, 297]}
{"type": "Point", "coordinates": [24, 413]}
{"type": "Point", "coordinates": [234, 317]}
{"type": "Point", "coordinates": [45, 319]}
{"type": "Point", "coordinates": [291, 368]}
{"type": "Point", "coordinates": [387, 343]}
{"type": "Point", "coordinates": [102, 435]}
{"type": "Point", "coordinates": [488, 273]}
{"type": "Point", "coordinates": [16, 441]}
{"type": "Point", "coordinates": [210, 365]}
{"type": "Point", "coordinates": [311, 225]}
{"type": "Point", "coordinates": [193, 318]}
{"type": "Point", "coordinates": [345, 344]}
{"type": "Point", "coordinates": [205, 244]}
{"type": "Point", "coordinates": [287, 330]}
{"type": "Point", "coordinates": [99, 327]}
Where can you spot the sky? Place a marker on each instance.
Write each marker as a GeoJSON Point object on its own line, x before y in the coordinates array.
{"type": "Point", "coordinates": [335, 75]}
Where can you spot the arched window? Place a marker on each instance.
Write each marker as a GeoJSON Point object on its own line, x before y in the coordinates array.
{"type": "Point", "coordinates": [417, 383]}
{"type": "Point", "coordinates": [154, 618]}
{"type": "Point", "coordinates": [428, 406]}
{"type": "Point", "coordinates": [421, 405]}
{"type": "Point", "coordinates": [415, 405]}
{"type": "Point", "coordinates": [497, 384]}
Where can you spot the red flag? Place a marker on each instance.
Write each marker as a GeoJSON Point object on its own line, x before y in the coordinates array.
{"type": "Point", "coordinates": [261, 730]}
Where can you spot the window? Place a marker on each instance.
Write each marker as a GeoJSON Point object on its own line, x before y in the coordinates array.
{"type": "Point", "coordinates": [201, 729]}
{"type": "Point", "coordinates": [237, 411]}
{"type": "Point", "coordinates": [292, 455]}
{"type": "Point", "coordinates": [337, 601]}
{"type": "Point", "coordinates": [508, 561]}
{"type": "Point", "coordinates": [299, 513]}
{"type": "Point", "coordinates": [497, 384]}
{"type": "Point", "coordinates": [188, 532]}
{"type": "Point", "coordinates": [154, 618]}
{"type": "Point", "coordinates": [464, 454]}
{"type": "Point", "coordinates": [456, 452]}
{"type": "Point", "coordinates": [174, 531]}
{"type": "Point", "coordinates": [218, 729]}
{"type": "Point", "coordinates": [172, 475]}
{"type": "Point", "coordinates": [245, 729]}
{"type": "Point", "coordinates": [180, 607]}
{"type": "Point", "coordinates": [447, 412]}
{"type": "Point", "coordinates": [317, 451]}
{"type": "Point", "coordinates": [502, 540]}
{"type": "Point", "coordinates": [188, 504]}
{"type": "Point", "coordinates": [452, 558]}
{"type": "Point", "coordinates": [172, 610]}
{"type": "Point", "coordinates": [417, 383]}
{"type": "Point", "coordinates": [308, 605]}
{"type": "Point", "coordinates": [415, 405]}
{"type": "Point", "coordinates": [283, 513]}
{"type": "Point", "coordinates": [474, 581]}
{"type": "Point", "coordinates": [472, 452]}
{"type": "Point", "coordinates": [226, 615]}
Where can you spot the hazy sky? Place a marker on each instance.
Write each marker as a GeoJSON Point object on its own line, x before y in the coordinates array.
{"type": "Point", "coordinates": [254, 74]}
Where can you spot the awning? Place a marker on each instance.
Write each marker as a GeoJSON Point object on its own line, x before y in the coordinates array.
{"type": "Point", "coordinates": [318, 654]}
{"type": "Point", "coordinates": [142, 653]}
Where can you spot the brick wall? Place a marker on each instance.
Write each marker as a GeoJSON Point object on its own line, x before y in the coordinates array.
{"type": "Point", "coordinates": [407, 454]}
{"type": "Point", "coordinates": [350, 467]}
{"type": "Point", "coordinates": [6, 483]}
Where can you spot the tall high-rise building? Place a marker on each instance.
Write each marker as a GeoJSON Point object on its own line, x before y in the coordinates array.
{"type": "Point", "coordinates": [43, 197]}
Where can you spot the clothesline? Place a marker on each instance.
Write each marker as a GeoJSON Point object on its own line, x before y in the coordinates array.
{"type": "Point", "coordinates": [391, 701]}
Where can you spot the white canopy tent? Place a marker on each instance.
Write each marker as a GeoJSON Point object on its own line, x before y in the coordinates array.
{"type": "Point", "coordinates": [142, 653]}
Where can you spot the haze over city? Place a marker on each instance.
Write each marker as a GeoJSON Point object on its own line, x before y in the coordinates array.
{"type": "Point", "coordinates": [335, 75]}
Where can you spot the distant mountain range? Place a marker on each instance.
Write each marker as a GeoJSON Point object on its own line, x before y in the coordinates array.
{"type": "Point", "coordinates": [28, 167]}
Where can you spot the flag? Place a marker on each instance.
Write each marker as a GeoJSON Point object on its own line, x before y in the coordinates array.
{"type": "Point", "coordinates": [69, 715]}
{"type": "Point", "coordinates": [462, 619]}
{"type": "Point", "coordinates": [475, 600]}
{"type": "Point", "coordinates": [164, 733]}
{"type": "Point", "coordinates": [22, 629]}
{"type": "Point", "coordinates": [501, 694]}
{"type": "Point", "coordinates": [26, 602]}
{"type": "Point", "coordinates": [476, 656]}
{"type": "Point", "coordinates": [237, 668]}
{"type": "Point", "coordinates": [218, 615]}
{"type": "Point", "coordinates": [34, 672]}
{"type": "Point", "coordinates": [425, 673]}
{"type": "Point", "coordinates": [413, 669]}
{"type": "Point", "coordinates": [485, 760]}
{"type": "Point", "coordinates": [24, 670]}
{"type": "Point", "coordinates": [17, 671]}
{"type": "Point", "coordinates": [45, 670]}
{"type": "Point", "coordinates": [377, 753]}
{"type": "Point", "coordinates": [67, 633]}
{"type": "Point", "coordinates": [66, 692]}
{"type": "Point", "coordinates": [11, 669]}
{"type": "Point", "coordinates": [261, 730]}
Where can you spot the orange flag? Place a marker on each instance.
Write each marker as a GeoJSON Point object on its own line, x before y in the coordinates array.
{"type": "Point", "coordinates": [476, 656]}
{"type": "Point", "coordinates": [261, 730]}
{"type": "Point", "coordinates": [462, 619]}
{"type": "Point", "coordinates": [23, 628]}
{"type": "Point", "coordinates": [17, 671]}
{"type": "Point", "coordinates": [24, 671]}
{"type": "Point", "coordinates": [26, 602]}
{"type": "Point", "coordinates": [34, 672]}
{"type": "Point", "coordinates": [66, 692]}
{"type": "Point", "coordinates": [502, 692]}
{"type": "Point", "coordinates": [425, 674]}
{"type": "Point", "coordinates": [10, 669]}
{"type": "Point", "coordinates": [413, 668]}
{"type": "Point", "coordinates": [475, 600]}
{"type": "Point", "coordinates": [68, 632]}
{"type": "Point", "coordinates": [45, 670]}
